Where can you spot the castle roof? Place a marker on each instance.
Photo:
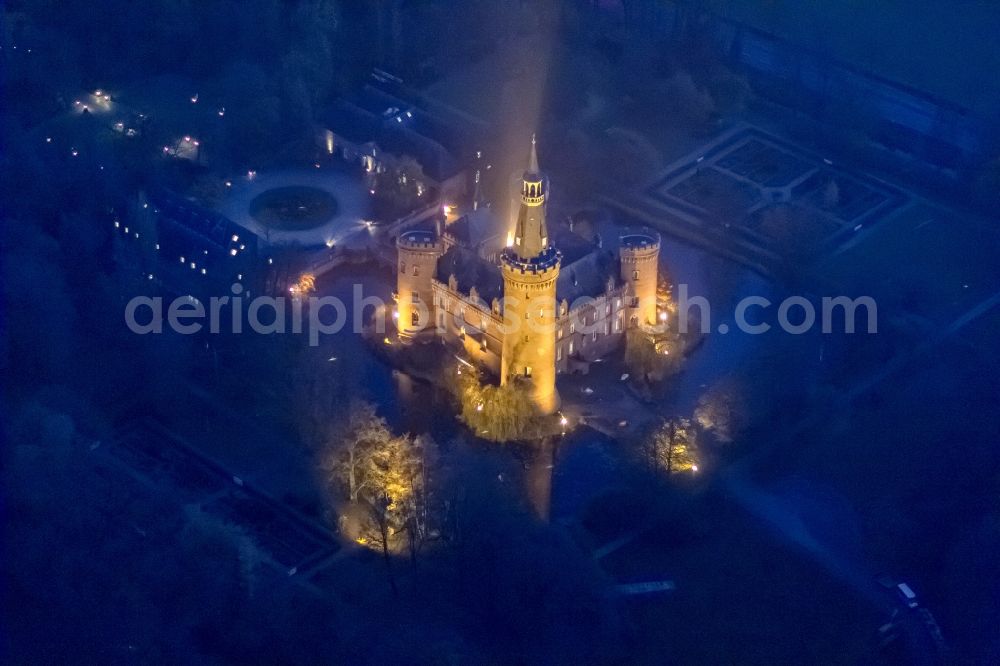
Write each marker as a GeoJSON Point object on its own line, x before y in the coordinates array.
{"type": "Point", "coordinates": [587, 276]}
{"type": "Point", "coordinates": [475, 227]}
{"type": "Point", "coordinates": [470, 270]}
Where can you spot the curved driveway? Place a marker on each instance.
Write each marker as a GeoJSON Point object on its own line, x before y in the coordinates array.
{"type": "Point", "coordinates": [348, 190]}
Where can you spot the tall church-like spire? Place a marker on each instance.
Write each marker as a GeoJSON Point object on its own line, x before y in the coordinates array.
{"type": "Point", "coordinates": [531, 236]}
{"type": "Point", "coordinates": [530, 267]}
{"type": "Point", "coordinates": [533, 160]}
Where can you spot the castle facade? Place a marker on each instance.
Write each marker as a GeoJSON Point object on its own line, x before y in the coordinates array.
{"type": "Point", "coordinates": [526, 299]}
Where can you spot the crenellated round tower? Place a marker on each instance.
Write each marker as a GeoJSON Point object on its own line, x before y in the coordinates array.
{"type": "Point", "coordinates": [639, 254]}
{"type": "Point", "coordinates": [417, 256]}
{"type": "Point", "coordinates": [530, 267]}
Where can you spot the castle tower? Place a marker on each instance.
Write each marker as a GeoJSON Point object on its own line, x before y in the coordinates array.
{"type": "Point", "coordinates": [417, 253]}
{"type": "Point", "coordinates": [639, 254]}
{"type": "Point", "coordinates": [530, 266]}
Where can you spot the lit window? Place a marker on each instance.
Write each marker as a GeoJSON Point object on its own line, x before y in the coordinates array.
{"type": "Point", "coordinates": [235, 238]}
{"type": "Point", "coordinates": [570, 346]}
{"type": "Point", "coordinates": [527, 371]}
{"type": "Point", "coordinates": [558, 353]}
{"type": "Point", "coordinates": [414, 318]}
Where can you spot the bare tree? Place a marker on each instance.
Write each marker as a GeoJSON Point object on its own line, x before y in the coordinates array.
{"type": "Point", "coordinates": [672, 447]}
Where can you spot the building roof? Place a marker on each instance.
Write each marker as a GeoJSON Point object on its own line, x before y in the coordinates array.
{"type": "Point", "coordinates": [352, 122]}
{"type": "Point", "coordinates": [587, 277]}
{"type": "Point", "coordinates": [475, 227]}
{"type": "Point", "coordinates": [471, 270]}
{"type": "Point", "coordinates": [213, 228]}
{"type": "Point", "coordinates": [572, 245]}
{"type": "Point", "coordinates": [397, 126]}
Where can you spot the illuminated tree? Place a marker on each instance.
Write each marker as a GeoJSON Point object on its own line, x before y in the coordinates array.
{"type": "Point", "coordinates": [497, 413]}
{"type": "Point", "coordinates": [386, 477]}
{"type": "Point", "coordinates": [672, 447]}
{"type": "Point", "coordinates": [350, 455]}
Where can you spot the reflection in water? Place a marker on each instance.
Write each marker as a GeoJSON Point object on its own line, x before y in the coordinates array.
{"type": "Point", "coordinates": [538, 478]}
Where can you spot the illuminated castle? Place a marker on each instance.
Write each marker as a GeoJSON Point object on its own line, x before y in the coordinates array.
{"type": "Point", "coordinates": [525, 299]}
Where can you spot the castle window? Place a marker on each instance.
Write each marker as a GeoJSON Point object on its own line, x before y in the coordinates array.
{"type": "Point", "coordinates": [527, 371]}
{"type": "Point", "coordinates": [607, 309]}
{"type": "Point", "coordinates": [572, 329]}
{"type": "Point", "coordinates": [635, 275]}
{"type": "Point", "coordinates": [414, 318]}
{"type": "Point", "coordinates": [559, 353]}
{"type": "Point", "coordinates": [570, 346]}
{"type": "Point", "coordinates": [593, 336]}
{"type": "Point", "coordinates": [607, 328]}
{"type": "Point", "coordinates": [416, 270]}
{"type": "Point", "coordinates": [618, 323]}
{"type": "Point", "coordinates": [415, 297]}
{"type": "Point", "coordinates": [559, 334]}
{"type": "Point", "coordinates": [402, 268]}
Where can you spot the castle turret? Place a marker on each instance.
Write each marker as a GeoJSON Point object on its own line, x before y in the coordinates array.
{"type": "Point", "coordinates": [418, 253]}
{"type": "Point", "coordinates": [530, 266]}
{"type": "Point", "coordinates": [639, 254]}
